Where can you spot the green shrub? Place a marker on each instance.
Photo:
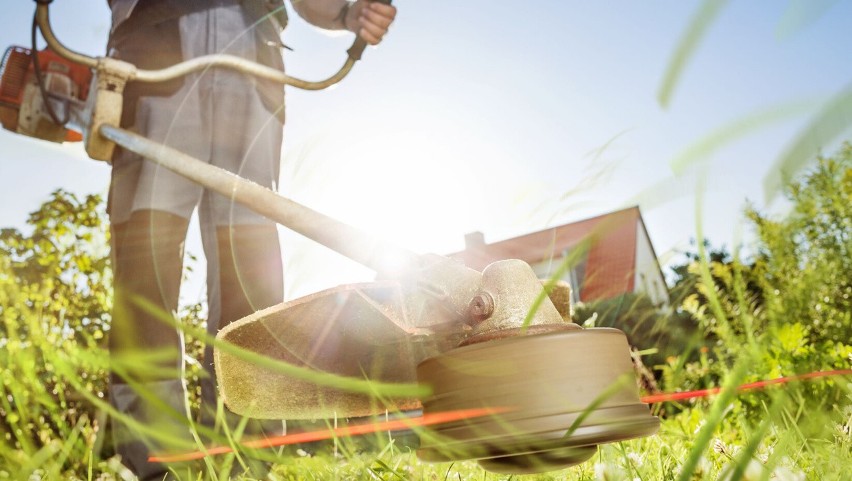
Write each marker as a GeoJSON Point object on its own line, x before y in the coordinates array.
{"type": "Point", "coordinates": [55, 301]}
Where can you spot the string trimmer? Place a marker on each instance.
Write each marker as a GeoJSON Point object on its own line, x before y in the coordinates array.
{"type": "Point", "coordinates": [490, 339]}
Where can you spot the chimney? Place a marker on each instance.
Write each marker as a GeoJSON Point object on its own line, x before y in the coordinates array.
{"type": "Point", "coordinates": [474, 240]}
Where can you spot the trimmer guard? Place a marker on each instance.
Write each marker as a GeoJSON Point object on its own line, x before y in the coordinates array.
{"type": "Point", "coordinates": [362, 331]}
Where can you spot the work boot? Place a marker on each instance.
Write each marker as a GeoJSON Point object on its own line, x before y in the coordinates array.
{"type": "Point", "coordinates": [161, 408]}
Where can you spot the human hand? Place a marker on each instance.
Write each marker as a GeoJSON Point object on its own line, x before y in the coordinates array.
{"type": "Point", "coordinates": [370, 20]}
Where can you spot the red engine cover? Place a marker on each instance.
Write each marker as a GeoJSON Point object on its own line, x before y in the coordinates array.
{"type": "Point", "coordinates": [13, 77]}
{"type": "Point", "coordinates": [16, 70]}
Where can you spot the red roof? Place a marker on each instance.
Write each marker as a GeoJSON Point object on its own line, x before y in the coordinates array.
{"type": "Point", "coordinates": [610, 264]}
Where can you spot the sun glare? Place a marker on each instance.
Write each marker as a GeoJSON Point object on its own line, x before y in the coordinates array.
{"type": "Point", "coordinates": [405, 192]}
{"type": "Point", "coordinates": [408, 192]}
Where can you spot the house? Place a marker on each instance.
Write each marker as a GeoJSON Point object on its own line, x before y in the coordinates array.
{"type": "Point", "coordinates": [601, 257]}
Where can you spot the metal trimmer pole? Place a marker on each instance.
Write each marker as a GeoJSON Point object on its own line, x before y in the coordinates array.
{"type": "Point", "coordinates": [338, 236]}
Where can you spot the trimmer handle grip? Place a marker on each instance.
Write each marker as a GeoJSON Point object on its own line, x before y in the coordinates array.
{"type": "Point", "coordinates": [360, 44]}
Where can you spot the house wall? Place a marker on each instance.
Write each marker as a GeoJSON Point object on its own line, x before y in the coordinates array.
{"type": "Point", "coordinates": [648, 278]}
{"type": "Point", "coordinates": [611, 258]}
{"type": "Point", "coordinates": [620, 258]}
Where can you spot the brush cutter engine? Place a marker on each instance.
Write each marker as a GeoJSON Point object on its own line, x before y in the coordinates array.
{"type": "Point", "coordinates": [38, 90]}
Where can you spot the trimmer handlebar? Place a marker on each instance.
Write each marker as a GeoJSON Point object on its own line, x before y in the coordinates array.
{"type": "Point", "coordinates": [358, 46]}
{"type": "Point", "coordinates": [201, 63]}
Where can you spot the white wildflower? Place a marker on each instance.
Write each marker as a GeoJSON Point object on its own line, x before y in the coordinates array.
{"type": "Point", "coordinates": [114, 463]}
{"type": "Point", "coordinates": [720, 447]}
{"type": "Point", "coordinates": [753, 472]}
{"type": "Point", "coordinates": [783, 473]}
{"type": "Point", "coordinates": [702, 469]}
{"type": "Point", "coordinates": [600, 471]}
{"type": "Point", "coordinates": [608, 472]}
{"type": "Point", "coordinates": [844, 430]}
{"type": "Point", "coordinates": [635, 458]}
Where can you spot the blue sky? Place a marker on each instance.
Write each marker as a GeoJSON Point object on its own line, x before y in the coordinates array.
{"type": "Point", "coordinates": [506, 117]}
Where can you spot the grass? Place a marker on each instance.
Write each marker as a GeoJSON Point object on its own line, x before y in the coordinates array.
{"type": "Point", "coordinates": [53, 429]}
{"type": "Point", "coordinates": [54, 305]}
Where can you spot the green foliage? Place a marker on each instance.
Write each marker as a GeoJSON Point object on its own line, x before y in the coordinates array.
{"type": "Point", "coordinates": [805, 260]}
{"type": "Point", "coordinates": [794, 300]}
{"type": "Point", "coordinates": [54, 305]}
{"type": "Point", "coordinates": [789, 308]}
{"type": "Point", "coordinates": [55, 302]}
{"type": "Point", "coordinates": [60, 268]}
{"type": "Point", "coordinates": [660, 332]}
{"type": "Point", "coordinates": [783, 312]}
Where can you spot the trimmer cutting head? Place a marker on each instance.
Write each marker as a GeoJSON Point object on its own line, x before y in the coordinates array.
{"type": "Point", "coordinates": [489, 340]}
{"type": "Point", "coordinates": [558, 395]}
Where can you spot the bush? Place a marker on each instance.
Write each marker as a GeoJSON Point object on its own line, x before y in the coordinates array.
{"type": "Point", "coordinates": [55, 302]}
{"type": "Point", "coordinates": [788, 309]}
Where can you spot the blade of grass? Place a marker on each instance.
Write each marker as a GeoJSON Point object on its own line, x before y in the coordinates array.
{"type": "Point", "coordinates": [706, 146]}
{"type": "Point", "coordinates": [568, 261]}
{"type": "Point", "coordinates": [704, 269]}
{"type": "Point", "coordinates": [713, 419]}
{"type": "Point", "coordinates": [601, 398]}
{"type": "Point", "coordinates": [631, 470]}
{"type": "Point", "coordinates": [829, 124]}
{"type": "Point", "coordinates": [747, 454]}
{"type": "Point", "coordinates": [685, 49]}
{"type": "Point", "coordinates": [65, 451]}
{"type": "Point", "coordinates": [801, 14]}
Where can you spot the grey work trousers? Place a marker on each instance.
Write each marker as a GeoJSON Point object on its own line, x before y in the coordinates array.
{"type": "Point", "coordinates": [231, 121]}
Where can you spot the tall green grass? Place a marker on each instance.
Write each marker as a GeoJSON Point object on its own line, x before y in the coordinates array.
{"type": "Point", "coordinates": [784, 311]}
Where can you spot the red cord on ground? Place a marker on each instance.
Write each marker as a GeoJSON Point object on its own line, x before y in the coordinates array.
{"type": "Point", "coordinates": [352, 430]}
{"type": "Point", "coordinates": [676, 396]}
{"type": "Point", "coordinates": [450, 416]}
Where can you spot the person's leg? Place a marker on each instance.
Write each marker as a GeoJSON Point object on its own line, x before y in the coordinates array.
{"type": "Point", "coordinates": [244, 267]}
{"type": "Point", "coordinates": [149, 209]}
{"type": "Point", "coordinates": [245, 271]}
{"type": "Point", "coordinates": [147, 263]}
{"type": "Point", "coordinates": [145, 347]}
{"type": "Point", "coordinates": [244, 274]}
{"type": "Point", "coordinates": [250, 269]}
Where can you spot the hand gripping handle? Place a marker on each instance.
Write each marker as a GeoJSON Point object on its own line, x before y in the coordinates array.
{"type": "Point", "coordinates": [360, 44]}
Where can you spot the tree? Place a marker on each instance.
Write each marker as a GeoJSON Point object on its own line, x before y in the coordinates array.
{"type": "Point", "coordinates": [55, 302]}
{"type": "Point", "coordinates": [54, 306]}
{"type": "Point", "coordinates": [789, 307]}
{"type": "Point", "coordinates": [805, 259]}
{"type": "Point", "coordinates": [61, 268]}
